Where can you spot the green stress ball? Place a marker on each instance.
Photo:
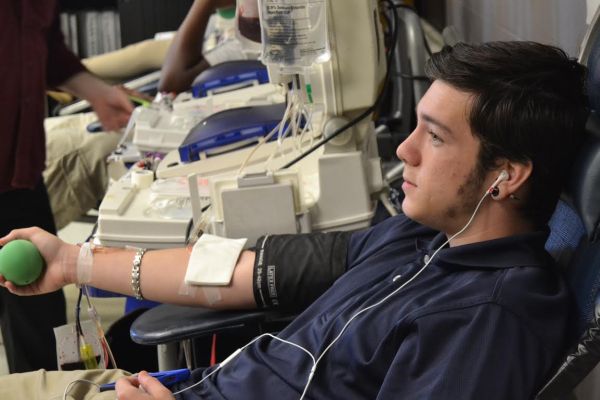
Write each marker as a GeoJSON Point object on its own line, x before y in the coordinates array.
{"type": "Point", "coordinates": [20, 262]}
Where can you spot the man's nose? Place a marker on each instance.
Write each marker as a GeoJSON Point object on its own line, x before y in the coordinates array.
{"type": "Point", "coordinates": [406, 151]}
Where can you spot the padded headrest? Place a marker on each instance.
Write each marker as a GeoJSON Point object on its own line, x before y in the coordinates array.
{"type": "Point", "coordinates": [583, 187]}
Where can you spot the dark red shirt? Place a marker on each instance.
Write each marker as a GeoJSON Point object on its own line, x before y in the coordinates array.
{"type": "Point", "coordinates": [33, 57]}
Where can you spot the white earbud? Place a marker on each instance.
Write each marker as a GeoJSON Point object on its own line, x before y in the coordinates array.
{"type": "Point", "coordinates": [493, 190]}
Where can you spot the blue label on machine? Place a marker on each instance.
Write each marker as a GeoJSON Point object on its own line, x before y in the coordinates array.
{"type": "Point", "coordinates": [229, 76]}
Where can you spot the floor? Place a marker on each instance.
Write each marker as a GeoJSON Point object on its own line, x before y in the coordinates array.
{"type": "Point", "coordinates": [109, 309]}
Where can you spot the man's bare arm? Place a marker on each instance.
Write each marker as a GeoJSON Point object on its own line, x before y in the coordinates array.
{"type": "Point", "coordinates": [161, 273]}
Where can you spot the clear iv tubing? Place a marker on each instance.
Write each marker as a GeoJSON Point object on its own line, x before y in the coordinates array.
{"type": "Point", "coordinates": [297, 108]}
{"type": "Point", "coordinates": [94, 316]}
{"type": "Point", "coordinates": [261, 141]}
{"type": "Point", "coordinates": [277, 129]}
{"type": "Point", "coordinates": [284, 119]}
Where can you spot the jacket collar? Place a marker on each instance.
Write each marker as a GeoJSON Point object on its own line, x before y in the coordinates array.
{"type": "Point", "coordinates": [526, 250]}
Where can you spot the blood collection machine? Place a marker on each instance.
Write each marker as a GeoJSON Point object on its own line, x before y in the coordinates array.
{"type": "Point", "coordinates": [232, 84]}
{"type": "Point", "coordinates": [329, 57]}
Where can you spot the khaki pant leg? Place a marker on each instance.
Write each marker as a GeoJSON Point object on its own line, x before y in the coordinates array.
{"type": "Point", "coordinates": [77, 180]}
{"type": "Point", "coordinates": [51, 385]}
{"type": "Point", "coordinates": [65, 134]}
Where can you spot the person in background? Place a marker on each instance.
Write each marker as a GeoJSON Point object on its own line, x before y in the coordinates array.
{"type": "Point", "coordinates": [184, 59]}
{"type": "Point", "coordinates": [35, 58]}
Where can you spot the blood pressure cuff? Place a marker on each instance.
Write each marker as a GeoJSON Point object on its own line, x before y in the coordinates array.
{"type": "Point", "coordinates": [291, 271]}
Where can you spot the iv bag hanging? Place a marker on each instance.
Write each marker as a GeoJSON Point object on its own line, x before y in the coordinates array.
{"type": "Point", "coordinates": [294, 33]}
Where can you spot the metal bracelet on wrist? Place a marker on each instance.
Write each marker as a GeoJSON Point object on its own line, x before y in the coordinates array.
{"type": "Point", "coordinates": [135, 274]}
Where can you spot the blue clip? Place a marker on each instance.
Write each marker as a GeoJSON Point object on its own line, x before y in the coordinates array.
{"type": "Point", "coordinates": [167, 378]}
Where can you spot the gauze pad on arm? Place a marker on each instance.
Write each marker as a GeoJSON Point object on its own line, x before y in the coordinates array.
{"type": "Point", "coordinates": [213, 260]}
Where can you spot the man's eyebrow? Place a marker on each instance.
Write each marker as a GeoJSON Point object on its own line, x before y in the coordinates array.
{"type": "Point", "coordinates": [432, 120]}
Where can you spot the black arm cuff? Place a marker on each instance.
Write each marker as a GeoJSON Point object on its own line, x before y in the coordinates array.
{"type": "Point", "coordinates": [291, 271]}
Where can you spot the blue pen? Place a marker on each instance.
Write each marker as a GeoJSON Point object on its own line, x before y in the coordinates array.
{"type": "Point", "coordinates": [167, 378]}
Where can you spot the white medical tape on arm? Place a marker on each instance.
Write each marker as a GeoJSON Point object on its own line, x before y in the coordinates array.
{"type": "Point", "coordinates": [212, 294]}
{"type": "Point", "coordinates": [188, 290]}
{"type": "Point", "coordinates": [85, 260]}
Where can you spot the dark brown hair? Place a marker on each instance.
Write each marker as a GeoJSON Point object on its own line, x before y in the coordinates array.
{"type": "Point", "coordinates": [529, 104]}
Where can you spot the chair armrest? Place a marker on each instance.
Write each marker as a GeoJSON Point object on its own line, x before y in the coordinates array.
{"type": "Point", "coordinates": [168, 323]}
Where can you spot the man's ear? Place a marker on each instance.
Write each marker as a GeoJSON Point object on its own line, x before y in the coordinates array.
{"type": "Point", "coordinates": [515, 185]}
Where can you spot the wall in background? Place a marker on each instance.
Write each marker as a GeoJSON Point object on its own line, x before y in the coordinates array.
{"type": "Point", "coordinates": [592, 6]}
{"type": "Point", "coordinates": [559, 22]}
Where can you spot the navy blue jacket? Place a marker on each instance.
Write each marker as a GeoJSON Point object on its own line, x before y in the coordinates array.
{"type": "Point", "coordinates": [482, 321]}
